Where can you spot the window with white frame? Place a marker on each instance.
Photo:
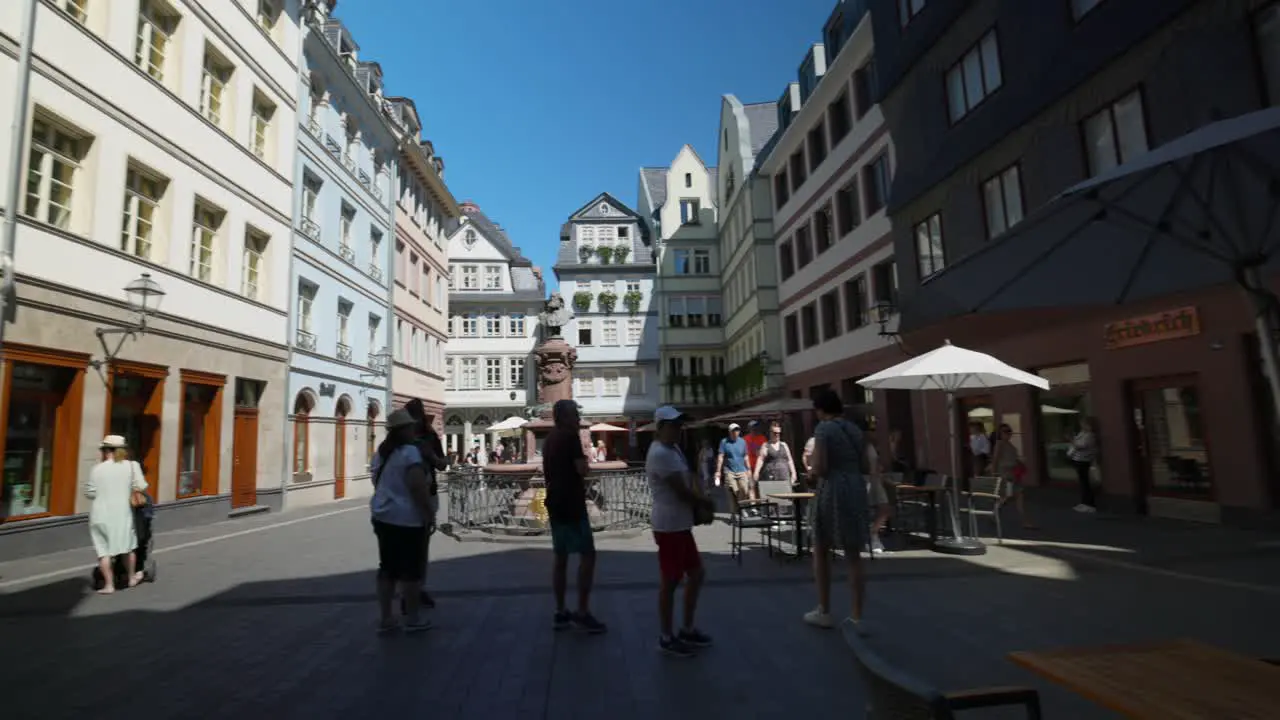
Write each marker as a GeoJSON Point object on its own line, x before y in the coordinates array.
{"type": "Point", "coordinates": [204, 236]}
{"type": "Point", "coordinates": [344, 323]}
{"type": "Point", "coordinates": [1002, 198]}
{"type": "Point", "coordinates": [142, 193]}
{"type": "Point", "coordinates": [714, 318]}
{"type": "Point", "coordinates": [453, 330]}
{"type": "Point", "coordinates": [54, 163]}
{"type": "Point", "coordinates": [1116, 134]}
{"type": "Point", "coordinates": [470, 373]}
{"type": "Point", "coordinates": [470, 277]}
{"type": "Point", "coordinates": [930, 254]}
{"type": "Point", "coordinates": [448, 372]}
{"type": "Point", "coordinates": [515, 372]}
{"type": "Point", "coordinates": [585, 386]}
{"type": "Point", "coordinates": [633, 286]}
{"type": "Point", "coordinates": [695, 311]}
{"type": "Point", "coordinates": [306, 296]}
{"type": "Point", "coordinates": [346, 220]}
{"type": "Point", "coordinates": [493, 373]}
{"type": "Point", "coordinates": [612, 384]}
{"type": "Point", "coordinates": [492, 325]}
{"type": "Point", "coordinates": [610, 332]}
{"type": "Point", "coordinates": [675, 312]}
{"type": "Point", "coordinates": [77, 9]}
{"type": "Point", "coordinates": [681, 262]}
{"type": "Point", "coordinates": [974, 77]}
{"type": "Point", "coordinates": [584, 332]}
{"type": "Point", "coordinates": [213, 85]}
{"type": "Point", "coordinates": [470, 325]}
{"type": "Point", "coordinates": [268, 15]}
{"type": "Point", "coordinates": [263, 111]}
{"type": "Point", "coordinates": [375, 322]}
{"type": "Point", "coordinates": [635, 383]}
{"type": "Point", "coordinates": [375, 248]}
{"type": "Point", "coordinates": [515, 325]}
{"type": "Point", "coordinates": [492, 277]}
{"type": "Point", "coordinates": [635, 331]}
{"type": "Point", "coordinates": [255, 250]}
{"type": "Point", "coordinates": [310, 196]}
{"type": "Point", "coordinates": [157, 22]}
{"type": "Point", "coordinates": [701, 262]}
{"type": "Point", "coordinates": [453, 273]}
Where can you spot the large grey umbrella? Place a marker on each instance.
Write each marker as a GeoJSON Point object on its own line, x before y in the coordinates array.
{"type": "Point", "coordinates": [1197, 211]}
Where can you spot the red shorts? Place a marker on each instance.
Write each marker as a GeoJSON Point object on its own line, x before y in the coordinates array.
{"type": "Point", "coordinates": [677, 554]}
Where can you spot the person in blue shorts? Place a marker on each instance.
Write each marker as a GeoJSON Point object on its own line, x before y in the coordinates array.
{"type": "Point", "coordinates": [564, 468]}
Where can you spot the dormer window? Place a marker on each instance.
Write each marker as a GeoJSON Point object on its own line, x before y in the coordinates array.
{"type": "Point", "coordinates": [469, 238]}
{"type": "Point", "coordinates": [604, 208]}
{"type": "Point", "coordinates": [348, 53]}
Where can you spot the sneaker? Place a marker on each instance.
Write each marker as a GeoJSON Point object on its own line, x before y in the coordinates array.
{"type": "Point", "coordinates": [817, 618]}
{"type": "Point", "coordinates": [562, 620]}
{"type": "Point", "coordinates": [694, 637]}
{"type": "Point", "coordinates": [417, 626]}
{"type": "Point", "coordinates": [1086, 509]}
{"type": "Point", "coordinates": [675, 647]}
{"type": "Point", "coordinates": [877, 546]}
{"type": "Point", "coordinates": [588, 622]}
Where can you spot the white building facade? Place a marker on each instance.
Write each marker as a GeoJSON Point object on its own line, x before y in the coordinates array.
{"type": "Point", "coordinates": [679, 202]}
{"type": "Point", "coordinates": [341, 320]}
{"type": "Point", "coordinates": [606, 271]}
{"type": "Point", "coordinates": [830, 172]}
{"type": "Point", "coordinates": [424, 210]}
{"type": "Point", "coordinates": [749, 280]}
{"type": "Point", "coordinates": [159, 140]}
{"type": "Point", "coordinates": [495, 296]}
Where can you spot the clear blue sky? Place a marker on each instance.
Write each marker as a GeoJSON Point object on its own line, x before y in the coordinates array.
{"type": "Point", "coordinates": [538, 105]}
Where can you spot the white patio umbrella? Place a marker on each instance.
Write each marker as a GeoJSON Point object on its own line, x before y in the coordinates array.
{"type": "Point", "coordinates": [606, 428]}
{"type": "Point", "coordinates": [951, 368]}
{"type": "Point", "coordinates": [985, 412]}
{"type": "Point", "coordinates": [507, 427]}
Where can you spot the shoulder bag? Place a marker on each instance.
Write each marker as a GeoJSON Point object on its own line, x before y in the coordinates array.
{"type": "Point", "coordinates": [704, 512]}
{"type": "Point", "coordinates": [137, 498]}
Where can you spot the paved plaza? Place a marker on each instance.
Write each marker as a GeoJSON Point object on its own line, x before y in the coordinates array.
{"type": "Point", "coordinates": [272, 616]}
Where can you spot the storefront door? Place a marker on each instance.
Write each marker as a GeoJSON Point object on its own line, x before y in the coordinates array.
{"type": "Point", "coordinates": [244, 450]}
{"type": "Point", "coordinates": [1172, 451]}
{"type": "Point", "coordinates": [340, 458]}
{"type": "Point", "coordinates": [974, 411]}
{"type": "Point", "coordinates": [40, 432]}
{"type": "Point", "coordinates": [134, 410]}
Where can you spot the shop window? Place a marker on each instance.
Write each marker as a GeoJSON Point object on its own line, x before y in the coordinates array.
{"type": "Point", "coordinates": [42, 408]}
{"type": "Point", "coordinates": [1061, 409]}
{"type": "Point", "coordinates": [201, 431]}
{"type": "Point", "coordinates": [1174, 453]}
{"type": "Point", "coordinates": [303, 406]}
{"type": "Point", "coordinates": [135, 411]}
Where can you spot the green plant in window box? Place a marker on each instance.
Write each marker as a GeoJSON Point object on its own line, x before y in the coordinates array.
{"type": "Point", "coordinates": [582, 300]}
{"type": "Point", "coordinates": [632, 300]}
{"type": "Point", "coordinates": [585, 252]}
{"type": "Point", "coordinates": [605, 253]}
{"type": "Point", "coordinates": [606, 301]}
{"type": "Point", "coordinates": [620, 254]}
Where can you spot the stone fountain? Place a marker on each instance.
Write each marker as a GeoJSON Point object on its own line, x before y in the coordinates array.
{"type": "Point", "coordinates": [555, 359]}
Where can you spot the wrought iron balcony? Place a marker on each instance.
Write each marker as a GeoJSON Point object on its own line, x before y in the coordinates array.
{"type": "Point", "coordinates": [305, 341]}
{"type": "Point", "coordinates": [365, 180]}
{"type": "Point", "coordinates": [311, 229]}
{"type": "Point", "coordinates": [332, 146]}
{"type": "Point", "coordinates": [347, 253]}
{"type": "Point", "coordinates": [344, 352]}
{"type": "Point", "coordinates": [375, 271]}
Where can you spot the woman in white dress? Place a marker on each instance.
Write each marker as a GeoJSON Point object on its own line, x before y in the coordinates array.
{"type": "Point", "coordinates": [112, 483]}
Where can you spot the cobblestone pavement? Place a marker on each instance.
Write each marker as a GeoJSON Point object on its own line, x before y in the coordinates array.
{"type": "Point", "coordinates": [273, 617]}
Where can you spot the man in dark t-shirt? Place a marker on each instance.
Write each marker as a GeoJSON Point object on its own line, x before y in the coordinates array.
{"type": "Point", "coordinates": [564, 469]}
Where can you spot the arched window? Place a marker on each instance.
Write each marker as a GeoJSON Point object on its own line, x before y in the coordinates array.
{"type": "Point", "coordinates": [303, 405]}
{"type": "Point", "coordinates": [482, 421]}
{"type": "Point", "coordinates": [340, 412]}
{"type": "Point", "coordinates": [371, 431]}
{"type": "Point", "coordinates": [454, 421]}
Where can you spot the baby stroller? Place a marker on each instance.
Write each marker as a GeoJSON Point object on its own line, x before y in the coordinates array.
{"type": "Point", "coordinates": [142, 517]}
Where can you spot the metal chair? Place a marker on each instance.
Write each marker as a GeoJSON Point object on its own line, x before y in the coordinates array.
{"type": "Point", "coordinates": [765, 519]}
{"type": "Point", "coordinates": [985, 498]}
{"type": "Point", "coordinates": [895, 695]}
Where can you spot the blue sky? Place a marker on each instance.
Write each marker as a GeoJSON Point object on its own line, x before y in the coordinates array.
{"type": "Point", "coordinates": [538, 105]}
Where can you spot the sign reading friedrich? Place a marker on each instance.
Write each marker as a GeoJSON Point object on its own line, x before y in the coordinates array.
{"type": "Point", "coordinates": [1168, 325]}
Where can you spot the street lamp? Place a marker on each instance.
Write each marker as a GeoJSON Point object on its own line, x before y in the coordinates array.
{"type": "Point", "coordinates": [379, 362]}
{"type": "Point", "coordinates": [143, 296]}
{"type": "Point", "coordinates": [882, 312]}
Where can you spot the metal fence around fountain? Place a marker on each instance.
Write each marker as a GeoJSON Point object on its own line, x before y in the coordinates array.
{"type": "Point", "coordinates": [504, 503]}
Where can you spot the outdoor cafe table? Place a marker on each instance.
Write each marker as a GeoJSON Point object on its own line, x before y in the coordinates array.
{"type": "Point", "coordinates": [1172, 680]}
{"type": "Point", "coordinates": [798, 499]}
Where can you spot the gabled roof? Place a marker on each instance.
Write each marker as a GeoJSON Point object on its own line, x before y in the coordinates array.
{"type": "Point", "coordinates": [493, 233]}
{"type": "Point", "coordinates": [568, 253]}
{"type": "Point", "coordinates": [762, 123]}
{"type": "Point", "coordinates": [655, 183]}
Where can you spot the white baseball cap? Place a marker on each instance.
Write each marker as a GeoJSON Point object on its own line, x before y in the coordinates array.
{"type": "Point", "coordinates": [735, 426]}
{"type": "Point", "coordinates": [667, 413]}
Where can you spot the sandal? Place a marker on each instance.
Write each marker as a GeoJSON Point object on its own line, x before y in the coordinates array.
{"type": "Point", "coordinates": [107, 591]}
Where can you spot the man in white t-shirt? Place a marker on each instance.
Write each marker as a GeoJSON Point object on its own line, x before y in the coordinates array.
{"type": "Point", "coordinates": [672, 481]}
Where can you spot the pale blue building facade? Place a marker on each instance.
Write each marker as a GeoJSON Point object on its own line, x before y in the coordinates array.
{"type": "Point", "coordinates": [606, 272]}
{"type": "Point", "coordinates": [341, 316]}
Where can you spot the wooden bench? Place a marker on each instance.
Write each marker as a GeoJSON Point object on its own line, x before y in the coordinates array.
{"type": "Point", "coordinates": [892, 693]}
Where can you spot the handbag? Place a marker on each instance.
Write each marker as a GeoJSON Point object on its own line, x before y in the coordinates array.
{"type": "Point", "coordinates": [137, 498]}
{"type": "Point", "coordinates": [704, 511]}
